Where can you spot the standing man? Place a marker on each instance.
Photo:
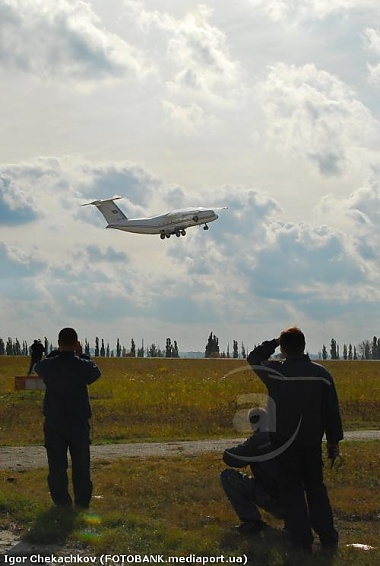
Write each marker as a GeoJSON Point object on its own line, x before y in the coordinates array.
{"type": "Point", "coordinates": [36, 352]}
{"type": "Point", "coordinates": [306, 408]}
{"type": "Point", "coordinates": [67, 412]}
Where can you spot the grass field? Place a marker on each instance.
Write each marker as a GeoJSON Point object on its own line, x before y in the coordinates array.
{"type": "Point", "coordinates": [176, 507]}
{"type": "Point", "coordinates": [163, 399]}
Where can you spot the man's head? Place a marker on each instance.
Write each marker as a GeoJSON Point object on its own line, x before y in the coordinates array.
{"type": "Point", "coordinates": [67, 339]}
{"type": "Point", "coordinates": [292, 341]}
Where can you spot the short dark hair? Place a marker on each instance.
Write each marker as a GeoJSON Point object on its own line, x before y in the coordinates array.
{"type": "Point", "coordinates": [292, 341]}
{"type": "Point", "coordinates": [68, 336]}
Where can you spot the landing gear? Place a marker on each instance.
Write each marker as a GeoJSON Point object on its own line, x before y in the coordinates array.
{"type": "Point", "coordinates": [205, 227]}
{"type": "Point", "coordinates": [176, 232]}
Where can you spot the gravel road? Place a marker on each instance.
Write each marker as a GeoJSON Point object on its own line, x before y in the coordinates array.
{"type": "Point", "coordinates": [24, 457]}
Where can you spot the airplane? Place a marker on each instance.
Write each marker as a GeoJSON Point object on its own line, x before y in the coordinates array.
{"type": "Point", "coordinates": [166, 225]}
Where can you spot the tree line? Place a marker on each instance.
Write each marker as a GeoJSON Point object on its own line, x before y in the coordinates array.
{"type": "Point", "coordinates": [365, 350]}
{"type": "Point", "coordinates": [13, 347]}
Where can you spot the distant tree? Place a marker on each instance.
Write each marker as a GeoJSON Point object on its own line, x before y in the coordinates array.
{"type": "Point", "coordinates": [228, 351]}
{"type": "Point", "coordinates": [235, 349]}
{"type": "Point", "coordinates": [212, 346]}
{"type": "Point", "coordinates": [175, 350]}
{"type": "Point", "coordinates": [9, 347]}
{"type": "Point", "coordinates": [108, 350]}
{"type": "Point", "coordinates": [46, 345]}
{"type": "Point", "coordinates": [168, 348]}
{"type": "Point", "coordinates": [355, 356]}
{"type": "Point", "coordinates": [2, 347]}
{"type": "Point", "coordinates": [365, 350]}
{"type": "Point", "coordinates": [154, 352]}
{"type": "Point", "coordinates": [333, 349]}
{"type": "Point", "coordinates": [171, 349]}
{"type": "Point", "coordinates": [133, 348]}
{"type": "Point", "coordinates": [375, 353]}
{"type": "Point", "coordinates": [243, 353]}
{"type": "Point", "coordinates": [102, 350]}
{"type": "Point", "coordinates": [25, 348]}
{"type": "Point", "coordinates": [97, 352]}
{"type": "Point", "coordinates": [141, 351]}
{"type": "Point", "coordinates": [16, 349]}
{"type": "Point", "coordinates": [86, 347]}
{"type": "Point", "coordinates": [324, 352]}
{"type": "Point", "coordinates": [118, 348]}
{"type": "Point", "coordinates": [350, 351]}
{"type": "Point", "coordinates": [345, 352]}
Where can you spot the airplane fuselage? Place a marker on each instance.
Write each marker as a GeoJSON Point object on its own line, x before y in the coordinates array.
{"type": "Point", "coordinates": [167, 224]}
{"type": "Point", "coordinates": [174, 222]}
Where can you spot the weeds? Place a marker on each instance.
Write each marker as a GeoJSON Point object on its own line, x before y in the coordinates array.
{"type": "Point", "coordinates": [159, 399]}
{"type": "Point", "coordinates": [176, 507]}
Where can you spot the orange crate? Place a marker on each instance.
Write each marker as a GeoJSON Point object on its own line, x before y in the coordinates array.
{"type": "Point", "coordinates": [28, 382]}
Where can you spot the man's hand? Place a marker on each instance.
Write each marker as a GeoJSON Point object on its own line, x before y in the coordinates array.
{"type": "Point", "coordinates": [333, 452]}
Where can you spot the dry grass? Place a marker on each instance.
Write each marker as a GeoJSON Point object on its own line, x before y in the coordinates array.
{"type": "Point", "coordinates": [159, 399]}
{"type": "Point", "coordinates": [175, 506]}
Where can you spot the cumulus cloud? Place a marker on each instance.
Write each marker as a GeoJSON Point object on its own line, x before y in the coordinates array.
{"type": "Point", "coordinates": [296, 11]}
{"type": "Point", "coordinates": [196, 50]}
{"type": "Point", "coordinates": [16, 206]}
{"type": "Point", "coordinates": [313, 113]}
{"type": "Point", "coordinates": [372, 42]}
{"type": "Point", "coordinates": [17, 263]}
{"type": "Point", "coordinates": [247, 257]}
{"type": "Point", "coordinates": [63, 39]}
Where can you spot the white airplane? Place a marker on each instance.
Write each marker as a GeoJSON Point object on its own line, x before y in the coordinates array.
{"type": "Point", "coordinates": [174, 222]}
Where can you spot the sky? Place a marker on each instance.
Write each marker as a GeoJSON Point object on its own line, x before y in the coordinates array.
{"type": "Point", "coordinates": [268, 107]}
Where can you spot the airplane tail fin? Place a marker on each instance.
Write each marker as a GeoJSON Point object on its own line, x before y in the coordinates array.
{"type": "Point", "coordinates": [109, 209]}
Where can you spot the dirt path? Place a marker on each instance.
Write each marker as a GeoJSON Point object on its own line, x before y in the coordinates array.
{"type": "Point", "coordinates": [24, 457]}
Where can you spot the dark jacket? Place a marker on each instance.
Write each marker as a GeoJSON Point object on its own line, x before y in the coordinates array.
{"type": "Point", "coordinates": [57, 351]}
{"type": "Point", "coordinates": [257, 445]}
{"type": "Point", "coordinates": [36, 351]}
{"type": "Point", "coordinates": [304, 395]}
{"type": "Point", "coordinates": [66, 377]}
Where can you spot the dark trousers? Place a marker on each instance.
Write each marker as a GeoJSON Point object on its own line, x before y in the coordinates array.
{"type": "Point", "coordinates": [59, 438]}
{"type": "Point", "coordinates": [246, 494]}
{"type": "Point", "coordinates": [305, 497]}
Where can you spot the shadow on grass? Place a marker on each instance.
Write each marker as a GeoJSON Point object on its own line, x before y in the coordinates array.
{"type": "Point", "coordinates": [53, 526]}
{"type": "Point", "coordinates": [272, 548]}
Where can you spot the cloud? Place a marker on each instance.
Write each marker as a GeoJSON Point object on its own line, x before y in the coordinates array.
{"type": "Point", "coordinates": [63, 39]}
{"type": "Point", "coordinates": [16, 263]}
{"type": "Point", "coordinates": [248, 257]}
{"type": "Point", "coordinates": [16, 207]}
{"type": "Point", "coordinates": [295, 12]}
{"type": "Point", "coordinates": [184, 120]}
{"type": "Point", "coordinates": [96, 254]}
{"type": "Point", "coordinates": [197, 53]}
{"type": "Point", "coordinates": [372, 42]}
{"type": "Point", "coordinates": [314, 114]}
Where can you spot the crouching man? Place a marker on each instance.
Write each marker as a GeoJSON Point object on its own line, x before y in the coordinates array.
{"type": "Point", "coordinates": [248, 493]}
